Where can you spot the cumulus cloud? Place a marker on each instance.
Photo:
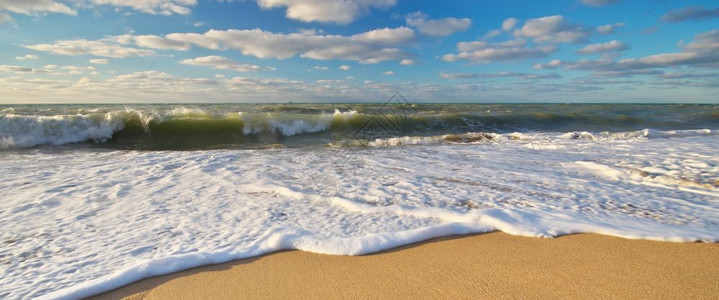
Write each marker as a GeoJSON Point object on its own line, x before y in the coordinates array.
{"type": "Point", "coordinates": [103, 48]}
{"type": "Point", "coordinates": [76, 70]}
{"type": "Point", "coordinates": [557, 29]}
{"type": "Point", "coordinates": [705, 42]}
{"type": "Point", "coordinates": [508, 24]}
{"type": "Point", "coordinates": [612, 46]}
{"type": "Point", "coordinates": [150, 41]}
{"type": "Point", "coordinates": [499, 75]}
{"type": "Point", "coordinates": [407, 62]}
{"type": "Point", "coordinates": [336, 11]}
{"type": "Point", "coordinates": [703, 51]}
{"type": "Point", "coordinates": [437, 27]}
{"type": "Point", "coordinates": [144, 84]}
{"type": "Point", "coordinates": [154, 7]}
{"type": "Point", "coordinates": [222, 63]}
{"type": "Point", "coordinates": [29, 7]}
{"type": "Point", "coordinates": [484, 52]}
{"type": "Point", "coordinates": [345, 67]}
{"type": "Point", "coordinates": [99, 61]}
{"type": "Point", "coordinates": [690, 13]}
{"type": "Point", "coordinates": [554, 29]}
{"type": "Point", "coordinates": [369, 47]}
{"type": "Point", "coordinates": [49, 70]}
{"type": "Point", "coordinates": [685, 75]}
{"type": "Point", "coordinates": [4, 18]}
{"type": "Point", "coordinates": [599, 2]}
{"type": "Point", "coordinates": [550, 65]}
{"type": "Point", "coordinates": [609, 28]}
{"type": "Point", "coordinates": [17, 69]}
{"type": "Point", "coordinates": [27, 57]}
{"type": "Point", "coordinates": [388, 73]}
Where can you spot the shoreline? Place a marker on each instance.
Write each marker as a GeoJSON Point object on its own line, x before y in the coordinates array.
{"type": "Point", "coordinates": [489, 265]}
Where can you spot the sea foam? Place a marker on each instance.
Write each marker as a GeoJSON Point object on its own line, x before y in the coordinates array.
{"type": "Point", "coordinates": [102, 219]}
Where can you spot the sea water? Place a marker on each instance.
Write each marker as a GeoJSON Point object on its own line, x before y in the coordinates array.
{"type": "Point", "coordinates": [98, 196]}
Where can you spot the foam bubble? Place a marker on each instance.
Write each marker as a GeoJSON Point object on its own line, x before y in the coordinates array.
{"type": "Point", "coordinates": [103, 219]}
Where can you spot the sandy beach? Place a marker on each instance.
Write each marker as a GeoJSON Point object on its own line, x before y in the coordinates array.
{"type": "Point", "coordinates": [494, 265]}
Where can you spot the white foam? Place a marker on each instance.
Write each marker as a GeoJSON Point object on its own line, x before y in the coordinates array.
{"type": "Point", "coordinates": [29, 131]}
{"type": "Point", "coordinates": [292, 124]}
{"type": "Point", "coordinates": [79, 223]}
{"type": "Point", "coordinates": [537, 140]}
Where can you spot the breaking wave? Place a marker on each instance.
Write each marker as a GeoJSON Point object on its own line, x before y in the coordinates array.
{"type": "Point", "coordinates": [183, 128]}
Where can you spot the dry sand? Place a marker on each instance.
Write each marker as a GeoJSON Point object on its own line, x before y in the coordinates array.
{"type": "Point", "coordinates": [494, 265]}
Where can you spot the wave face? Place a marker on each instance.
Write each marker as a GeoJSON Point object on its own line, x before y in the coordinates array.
{"type": "Point", "coordinates": [170, 127]}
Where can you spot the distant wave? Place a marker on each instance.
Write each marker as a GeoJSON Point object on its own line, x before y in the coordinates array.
{"type": "Point", "coordinates": [485, 137]}
{"type": "Point", "coordinates": [183, 128]}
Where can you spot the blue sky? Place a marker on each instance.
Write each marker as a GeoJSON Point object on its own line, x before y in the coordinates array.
{"type": "Point", "coordinates": [112, 51]}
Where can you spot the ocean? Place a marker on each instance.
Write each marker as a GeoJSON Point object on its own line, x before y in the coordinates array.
{"type": "Point", "coordinates": [98, 196]}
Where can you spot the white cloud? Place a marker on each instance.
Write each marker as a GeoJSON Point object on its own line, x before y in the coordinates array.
{"type": "Point", "coordinates": [498, 75]}
{"type": "Point", "coordinates": [4, 18]}
{"type": "Point", "coordinates": [508, 24]}
{"type": "Point", "coordinates": [222, 63]}
{"type": "Point", "coordinates": [554, 29]}
{"type": "Point", "coordinates": [345, 67]}
{"type": "Point", "coordinates": [702, 52]}
{"type": "Point", "coordinates": [27, 57]}
{"type": "Point", "coordinates": [103, 48]}
{"type": "Point", "coordinates": [49, 70]}
{"type": "Point", "coordinates": [99, 61]}
{"type": "Point", "coordinates": [599, 2]}
{"type": "Point", "coordinates": [484, 52]}
{"type": "Point", "coordinates": [369, 47]}
{"type": "Point", "coordinates": [609, 28]}
{"type": "Point", "coordinates": [76, 70]}
{"type": "Point", "coordinates": [438, 27]}
{"type": "Point", "coordinates": [407, 62]}
{"type": "Point", "coordinates": [685, 75]}
{"type": "Point", "coordinates": [388, 73]}
{"type": "Point", "coordinates": [705, 42]}
{"type": "Point", "coordinates": [550, 65]}
{"type": "Point", "coordinates": [145, 86]}
{"type": "Point", "coordinates": [154, 7]}
{"type": "Point", "coordinates": [557, 29]}
{"type": "Point", "coordinates": [337, 11]}
{"type": "Point", "coordinates": [17, 69]}
{"type": "Point", "coordinates": [690, 13]}
{"type": "Point", "coordinates": [29, 7]}
{"type": "Point", "coordinates": [330, 81]}
{"type": "Point", "coordinates": [612, 46]}
{"type": "Point", "coordinates": [321, 68]}
{"type": "Point", "coordinates": [150, 41]}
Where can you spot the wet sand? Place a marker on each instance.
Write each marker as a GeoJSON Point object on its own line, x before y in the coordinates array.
{"type": "Point", "coordinates": [494, 265]}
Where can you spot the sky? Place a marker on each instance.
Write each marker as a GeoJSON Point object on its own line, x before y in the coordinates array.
{"type": "Point", "coordinates": [174, 51]}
